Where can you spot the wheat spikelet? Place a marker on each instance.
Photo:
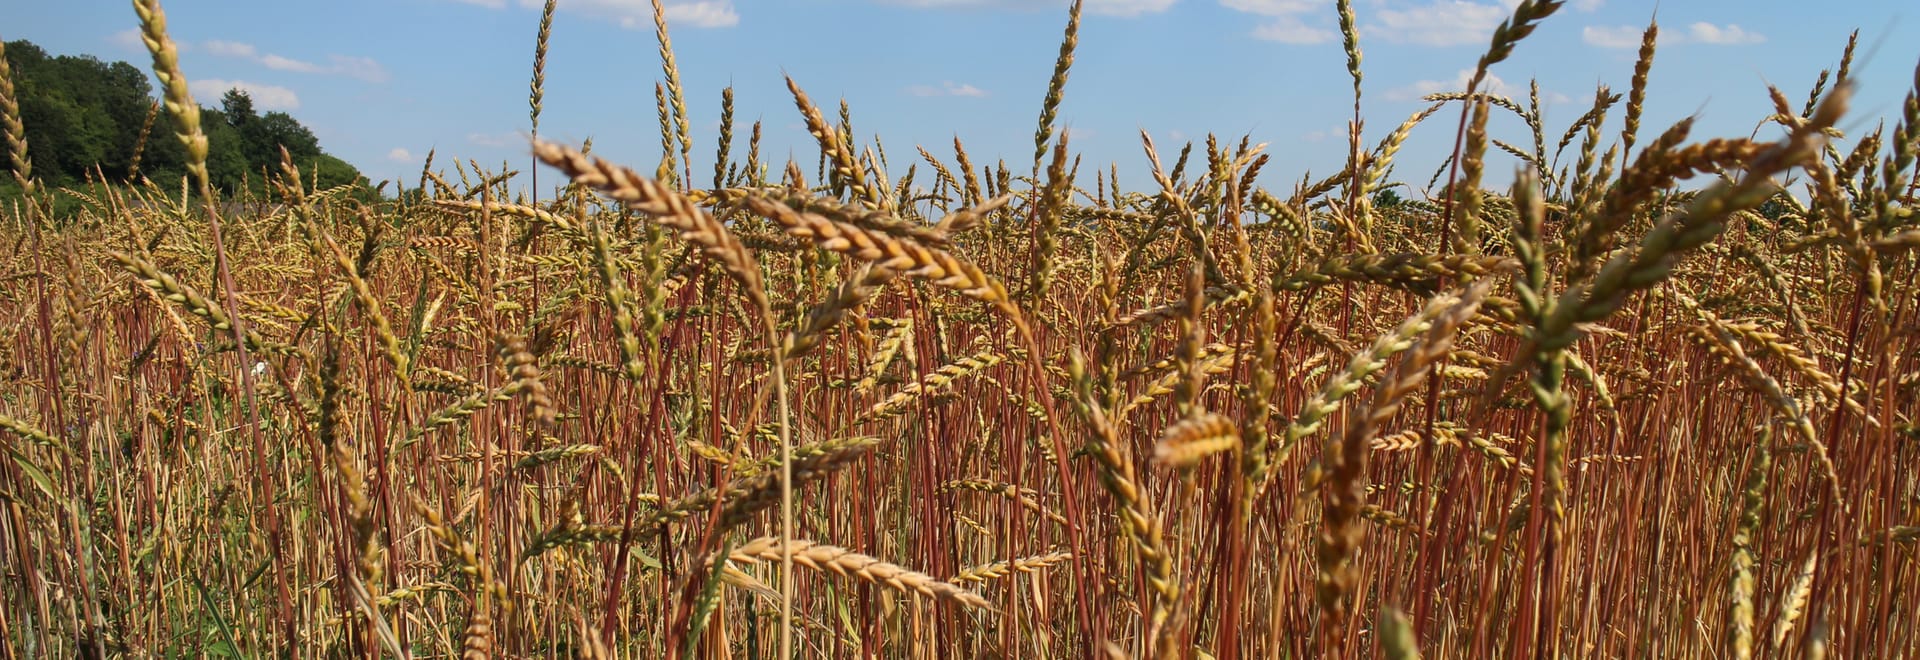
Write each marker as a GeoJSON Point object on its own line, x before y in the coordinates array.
{"type": "Point", "coordinates": [834, 146]}
{"type": "Point", "coordinates": [1740, 615]}
{"type": "Point", "coordinates": [888, 252]}
{"type": "Point", "coordinates": [1056, 85]}
{"type": "Point", "coordinates": [667, 207]}
{"type": "Point", "coordinates": [1024, 497]}
{"type": "Point", "coordinates": [1186, 443]}
{"type": "Point", "coordinates": [1728, 348]}
{"type": "Point", "coordinates": [1681, 231]}
{"type": "Point", "coordinates": [1637, 94]}
{"type": "Point", "coordinates": [369, 304]}
{"type": "Point", "coordinates": [1344, 491]}
{"type": "Point", "coordinates": [1211, 364]}
{"type": "Point", "coordinates": [164, 285]}
{"type": "Point", "coordinates": [31, 434]}
{"type": "Point", "coordinates": [525, 370]}
{"type": "Point", "coordinates": [1413, 271]}
{"type": "Point", "coordinates": [463, 408]}
{"type": "Point", "coordinates": [743, 497]}
{"type": "Point", "coordinates": [1207, 353]}
{"type": "Point", "coordinates": [862, 286]}
{"type": "Point", "coordinates": [560, 223]}
{"type": "Point", "coordinates": [1793, 602]}
{"type": "Point", "coordinates": [1142, 526]}
{"type": "Point", "coordinates": [1397, 638]}
{"type": "Point", "coordinates": [477, 639]}
{"type": "Point", "coordinates": [884, 353]}
{"type": "Point", "coordinates": [847, 563]}
{"type": "Point", "coordinates": [1000, 569]}
{"type": "Point", "coordinates": [1469, 199]}
{"type": "Point", "coordinates": [16, 134]}
{"type": "Point", "coordinates": [179, 99]}
{"type": "Point", "coordinates": [1364, 364]}
{"type": "Point", "coordinates": [938, 382]}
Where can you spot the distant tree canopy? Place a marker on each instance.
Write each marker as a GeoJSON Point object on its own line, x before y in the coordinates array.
{"type": "Point", "coordinates": [81, 114]}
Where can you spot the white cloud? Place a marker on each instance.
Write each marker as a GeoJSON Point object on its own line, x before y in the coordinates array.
{"type": "Point", "coordinates": [1120, 8]}
{"type": "Point", "coordinates": [1588, 5]}
{"type": "Point", "coordinates": [230, 49]}
{"type": "Point", "coordinates": [1289, 30]}
{"type": "Point", "coordinates": [705, 14]}
{"type": "Point", "coordinates": [1272, 7]}
{"type": "Point", "coordinates": [1731, 35]}
{"type": "Point", "coordinates": [1442, 23]}
{"type": "Point", "coordinates": [363, 68]}
{"type": "Point", "coordinates": [1127, 8]}
{"type": "Point", "coordinates": [279, 63]}
{"type": "Point", "coordinates": [946, 88]}
{"type": "Point", "coordinates": [1284, 24]}
{"type": "Point", "coordinates": [638, 14]}
{"type": "Point", "coordinates": [1076, 133]}
{"type": "Point", "coordinates": [265, 97]}
{"type": "Point", "coordinates": [129, 39]}
{"type": "Point", "coordinates": [1628, 37]}
{"type": "Point", "coordinates": [1618, 36]}
{"type": "Point", "coordinates": [400, 155]}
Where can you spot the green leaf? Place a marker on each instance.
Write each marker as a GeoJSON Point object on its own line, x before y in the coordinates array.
{"type": "Point", "coordinates": [33, 472]}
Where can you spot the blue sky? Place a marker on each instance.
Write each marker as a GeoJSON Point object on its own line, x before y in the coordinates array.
{"type": "Point", "coordinates": [383, 81]}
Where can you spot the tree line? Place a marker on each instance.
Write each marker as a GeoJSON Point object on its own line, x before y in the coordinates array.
{"type": "Point", "coordinates": [85, 121]}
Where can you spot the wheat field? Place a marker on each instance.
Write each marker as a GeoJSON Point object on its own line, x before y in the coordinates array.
{"type": "Point", "coordinates": [1656, 399]}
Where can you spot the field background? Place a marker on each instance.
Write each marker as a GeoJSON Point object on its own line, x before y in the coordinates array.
{"type": "Point", "coordinates": [1655, 399]}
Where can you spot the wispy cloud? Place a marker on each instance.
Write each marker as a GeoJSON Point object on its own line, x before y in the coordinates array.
{"type": "Point", "coordinates": [495, 139]}
{"type": "Point", "coordinates": [1120, 8]}
{"type": "Point", "coordinates": [265, 97]}
{"type": "Point", "coordinates": [1284, 23]}
{"type": "Point", "coordinates": [638, 14]}
{"type": "Point", "coordinates": [1432, 23]}
{"type": "Point", "coordinates": [362, 68]}
{"type": "Point", "coordinates": [1290, 30]}
{"type": "Point", "coordinates": [946, 88]}
{"type": "Point", "coordinates": [1614, 36]}
{"type": "Point", "coordinates": [128, 39]}
{"type": "Point", "coordinates": [1441, 23]}
{"type": "Point", "coordinates": [1728, 35]}
{"type": "Point", "coordinates": [1627, 36]}
{"type": "Point", "coordinates": [708, 14]}
{"type": "Point", "coordinates": [231, 49]}
{"type": "Point", "coordinates": [1128, 7]}
{"type": "Point", "coordinates": [400, 155]}
{"type": "Point", "coordinates": [1414, 92]}
{"type": "Point", "coordinates": [1272, 7]}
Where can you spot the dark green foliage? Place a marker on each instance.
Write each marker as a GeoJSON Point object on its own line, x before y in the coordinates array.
{"type": "Point", "coordinates": [83, 119]}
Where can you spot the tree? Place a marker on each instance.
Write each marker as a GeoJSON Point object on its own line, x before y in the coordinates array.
{"type": "Point", "coordinates": [280, 130]}
{"type": "Point", "coordinates": [238, 106]}
{"type": "Point", "coordinates": [83, 119]}
{"type": "Point", "coordinates": [1387, 198]}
